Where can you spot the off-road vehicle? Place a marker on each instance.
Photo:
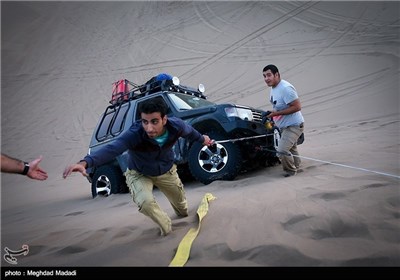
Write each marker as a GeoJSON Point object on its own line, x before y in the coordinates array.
{"type": "Point", "coordinates": [242, 138]}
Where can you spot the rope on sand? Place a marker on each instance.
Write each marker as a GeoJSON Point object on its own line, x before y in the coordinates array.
{"type": "Point", "coordinates": [314, 159]}
{"type": "Point", "coordinates": [348, 166]}
{"type": "Point", "coordinates": [183, 251]}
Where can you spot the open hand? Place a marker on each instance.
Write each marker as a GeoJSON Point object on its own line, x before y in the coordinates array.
{"type": "Point", "coordinates": [77, 167]}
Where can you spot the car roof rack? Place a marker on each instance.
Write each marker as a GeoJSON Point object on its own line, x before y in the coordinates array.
{"type": "Point", "coordinates": [125, 90]}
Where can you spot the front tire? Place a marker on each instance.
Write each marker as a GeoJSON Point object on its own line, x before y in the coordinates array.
{"type": "Point", "coordinates": [222, 161]}
{"type": "Point", "coordinates": [107, 179]}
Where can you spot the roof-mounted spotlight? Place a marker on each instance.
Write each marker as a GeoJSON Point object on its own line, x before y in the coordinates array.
{"type": "Point", "coordinates": [175, 81]}
{"type": "Point", "coordinates": [201, 88]}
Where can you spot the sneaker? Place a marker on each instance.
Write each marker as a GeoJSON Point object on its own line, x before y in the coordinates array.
{"type": "Point", "coordinates": [167, 230]}
{"type": "Point", "coordinates": [182, 215]}
{"type": "Point", "coordinates": [289, 174]}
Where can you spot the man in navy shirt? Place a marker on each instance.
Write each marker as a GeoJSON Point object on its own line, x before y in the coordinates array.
{"type": "Point", "coordinates": [151, 160]}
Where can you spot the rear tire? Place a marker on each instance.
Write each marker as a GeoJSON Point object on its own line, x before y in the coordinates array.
{"type": "Point", "coordinates": [108, 179]}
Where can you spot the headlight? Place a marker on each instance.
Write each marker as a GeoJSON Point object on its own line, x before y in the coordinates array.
{"type": "Point", "coordinates": [244, 114]}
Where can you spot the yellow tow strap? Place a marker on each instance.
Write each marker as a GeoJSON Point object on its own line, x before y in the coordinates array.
{"type": "Point", "coordinates": [183, 251]}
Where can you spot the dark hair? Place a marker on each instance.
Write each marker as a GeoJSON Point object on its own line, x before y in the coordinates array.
{"type": "Point", "coordinates": [271, 67]}
{"type": "Point", "coordinates": [153, 105]}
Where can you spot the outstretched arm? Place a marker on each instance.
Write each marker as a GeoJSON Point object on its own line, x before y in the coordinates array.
{"type": "Point", "coordinates": [16, 166]}
{"type": "Point", "coordinates": [77, 167]}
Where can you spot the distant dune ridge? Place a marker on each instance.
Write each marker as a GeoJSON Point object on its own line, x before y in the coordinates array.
{"type": "Point", "coordinates": [59, 60]}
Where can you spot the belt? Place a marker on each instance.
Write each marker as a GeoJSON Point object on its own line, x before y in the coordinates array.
{"type": "Point", "coordinates": [300, 126]}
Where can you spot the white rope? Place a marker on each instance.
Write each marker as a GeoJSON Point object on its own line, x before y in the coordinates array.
{"type": "Point", "coordinates": [243, 138]}
{"type": "Point", "coordinates": [348, 166]}
{"type": "Point", "coordinates": [314, 159]}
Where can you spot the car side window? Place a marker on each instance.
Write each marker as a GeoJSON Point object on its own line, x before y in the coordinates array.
{"type": "Point", "coordinates": [112, 122]}
{"type": "Point", "coordinates": [118, 125]}
{"type": "Point", "coordinates": [103, 128]}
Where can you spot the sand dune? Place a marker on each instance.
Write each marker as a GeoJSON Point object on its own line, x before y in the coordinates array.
{"type": "Point", "coordinates": [59, 60]}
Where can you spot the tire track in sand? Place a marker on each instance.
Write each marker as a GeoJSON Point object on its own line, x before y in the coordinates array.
{"type": "Point", "coordinates": [253, 35]}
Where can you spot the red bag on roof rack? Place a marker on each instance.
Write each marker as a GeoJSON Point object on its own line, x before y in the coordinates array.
{"type": "Point", "coordinates": [120, 91]}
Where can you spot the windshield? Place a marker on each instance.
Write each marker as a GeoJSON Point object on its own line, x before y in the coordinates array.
{"type": "Point", "coordinates": [187, 102]}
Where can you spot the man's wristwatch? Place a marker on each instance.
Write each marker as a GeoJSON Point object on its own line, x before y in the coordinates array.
{"type": "Point", "coordinates": [26, 168]}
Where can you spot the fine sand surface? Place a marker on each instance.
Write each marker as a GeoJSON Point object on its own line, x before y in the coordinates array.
{"type": "Point", "coordinates": [59, 60]}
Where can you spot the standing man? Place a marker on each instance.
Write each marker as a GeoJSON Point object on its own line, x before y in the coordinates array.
{"type": "Point", "coordinates": [149, 142]}
{"type": "Point", "coordinates": [17, 166]}
{"type": "Point", "coordinates": [287, 117]}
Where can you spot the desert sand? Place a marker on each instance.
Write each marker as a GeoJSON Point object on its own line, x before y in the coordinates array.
{"type": "Point", "coordinates": [59, 60]}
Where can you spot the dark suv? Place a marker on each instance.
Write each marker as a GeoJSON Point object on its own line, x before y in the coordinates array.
{"type": "Point", "coordinates": [242, 138]}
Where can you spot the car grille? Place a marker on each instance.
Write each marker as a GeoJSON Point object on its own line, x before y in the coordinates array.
{"type": "Point", "coordinates": [257, 117]}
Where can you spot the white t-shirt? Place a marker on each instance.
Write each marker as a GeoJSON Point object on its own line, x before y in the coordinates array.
{"type": "Point", "coordinates": [280, 96]}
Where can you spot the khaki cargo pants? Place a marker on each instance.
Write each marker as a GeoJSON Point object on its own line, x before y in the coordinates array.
{"type": "Point", "coordinates": [287, 147]}
{"type": "Point", "coordinates": [141, 189]}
